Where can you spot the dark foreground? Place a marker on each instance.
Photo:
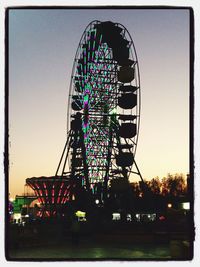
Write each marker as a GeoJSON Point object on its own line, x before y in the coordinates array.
{"type": "Point", "coordinates": [93, 251]}
{"type": "Point", "coordinates": [52, 241]}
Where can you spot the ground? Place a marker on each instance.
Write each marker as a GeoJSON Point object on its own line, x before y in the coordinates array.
{"type": "Point", "coordinates": [85, 251]}
{"type": "Point", "coordinates": [112, 242]}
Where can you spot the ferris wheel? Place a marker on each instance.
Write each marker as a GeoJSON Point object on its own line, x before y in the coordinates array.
{"type": "Point", "coordinates": [103, 120]}
{"type": "Point", "coordinates": [103, 107]}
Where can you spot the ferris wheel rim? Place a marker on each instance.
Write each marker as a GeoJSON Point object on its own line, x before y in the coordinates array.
{"type": "Point", "coordinates": [68, 105]}
{"type": "Point", "coordinates": [136, 56]}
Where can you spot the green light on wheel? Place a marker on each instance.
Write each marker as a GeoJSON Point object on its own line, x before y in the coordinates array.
{"type": "Point", "coordinates": [113, 111]}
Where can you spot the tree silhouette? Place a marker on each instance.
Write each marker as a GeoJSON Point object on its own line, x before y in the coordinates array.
{"type": "Point", "coordinates": [170, 186]}
{"type": "Point", "coordinates": [174, 185]}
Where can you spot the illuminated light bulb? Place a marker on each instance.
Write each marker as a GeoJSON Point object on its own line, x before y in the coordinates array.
{"type": "Point", "coordinates": [97, 201]}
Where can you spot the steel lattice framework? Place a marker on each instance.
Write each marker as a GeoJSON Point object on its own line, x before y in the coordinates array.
{"type": "Point", "coordinates": [103, 111]}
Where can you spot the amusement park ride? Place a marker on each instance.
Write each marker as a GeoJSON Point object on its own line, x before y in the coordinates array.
{"type": "Point", "coordinates": [103, 120]}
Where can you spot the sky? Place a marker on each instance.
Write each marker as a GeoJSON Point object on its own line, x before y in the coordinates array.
{"type": "Point", "coordinates": [42, 47]}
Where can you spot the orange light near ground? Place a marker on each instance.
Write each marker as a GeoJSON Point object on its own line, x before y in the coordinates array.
{"type": "Point", "coordinates": [169, 205]}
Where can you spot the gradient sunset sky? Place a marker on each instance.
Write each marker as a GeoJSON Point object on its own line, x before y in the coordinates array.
{"type": "Point", "coordinates": [42, 46]}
